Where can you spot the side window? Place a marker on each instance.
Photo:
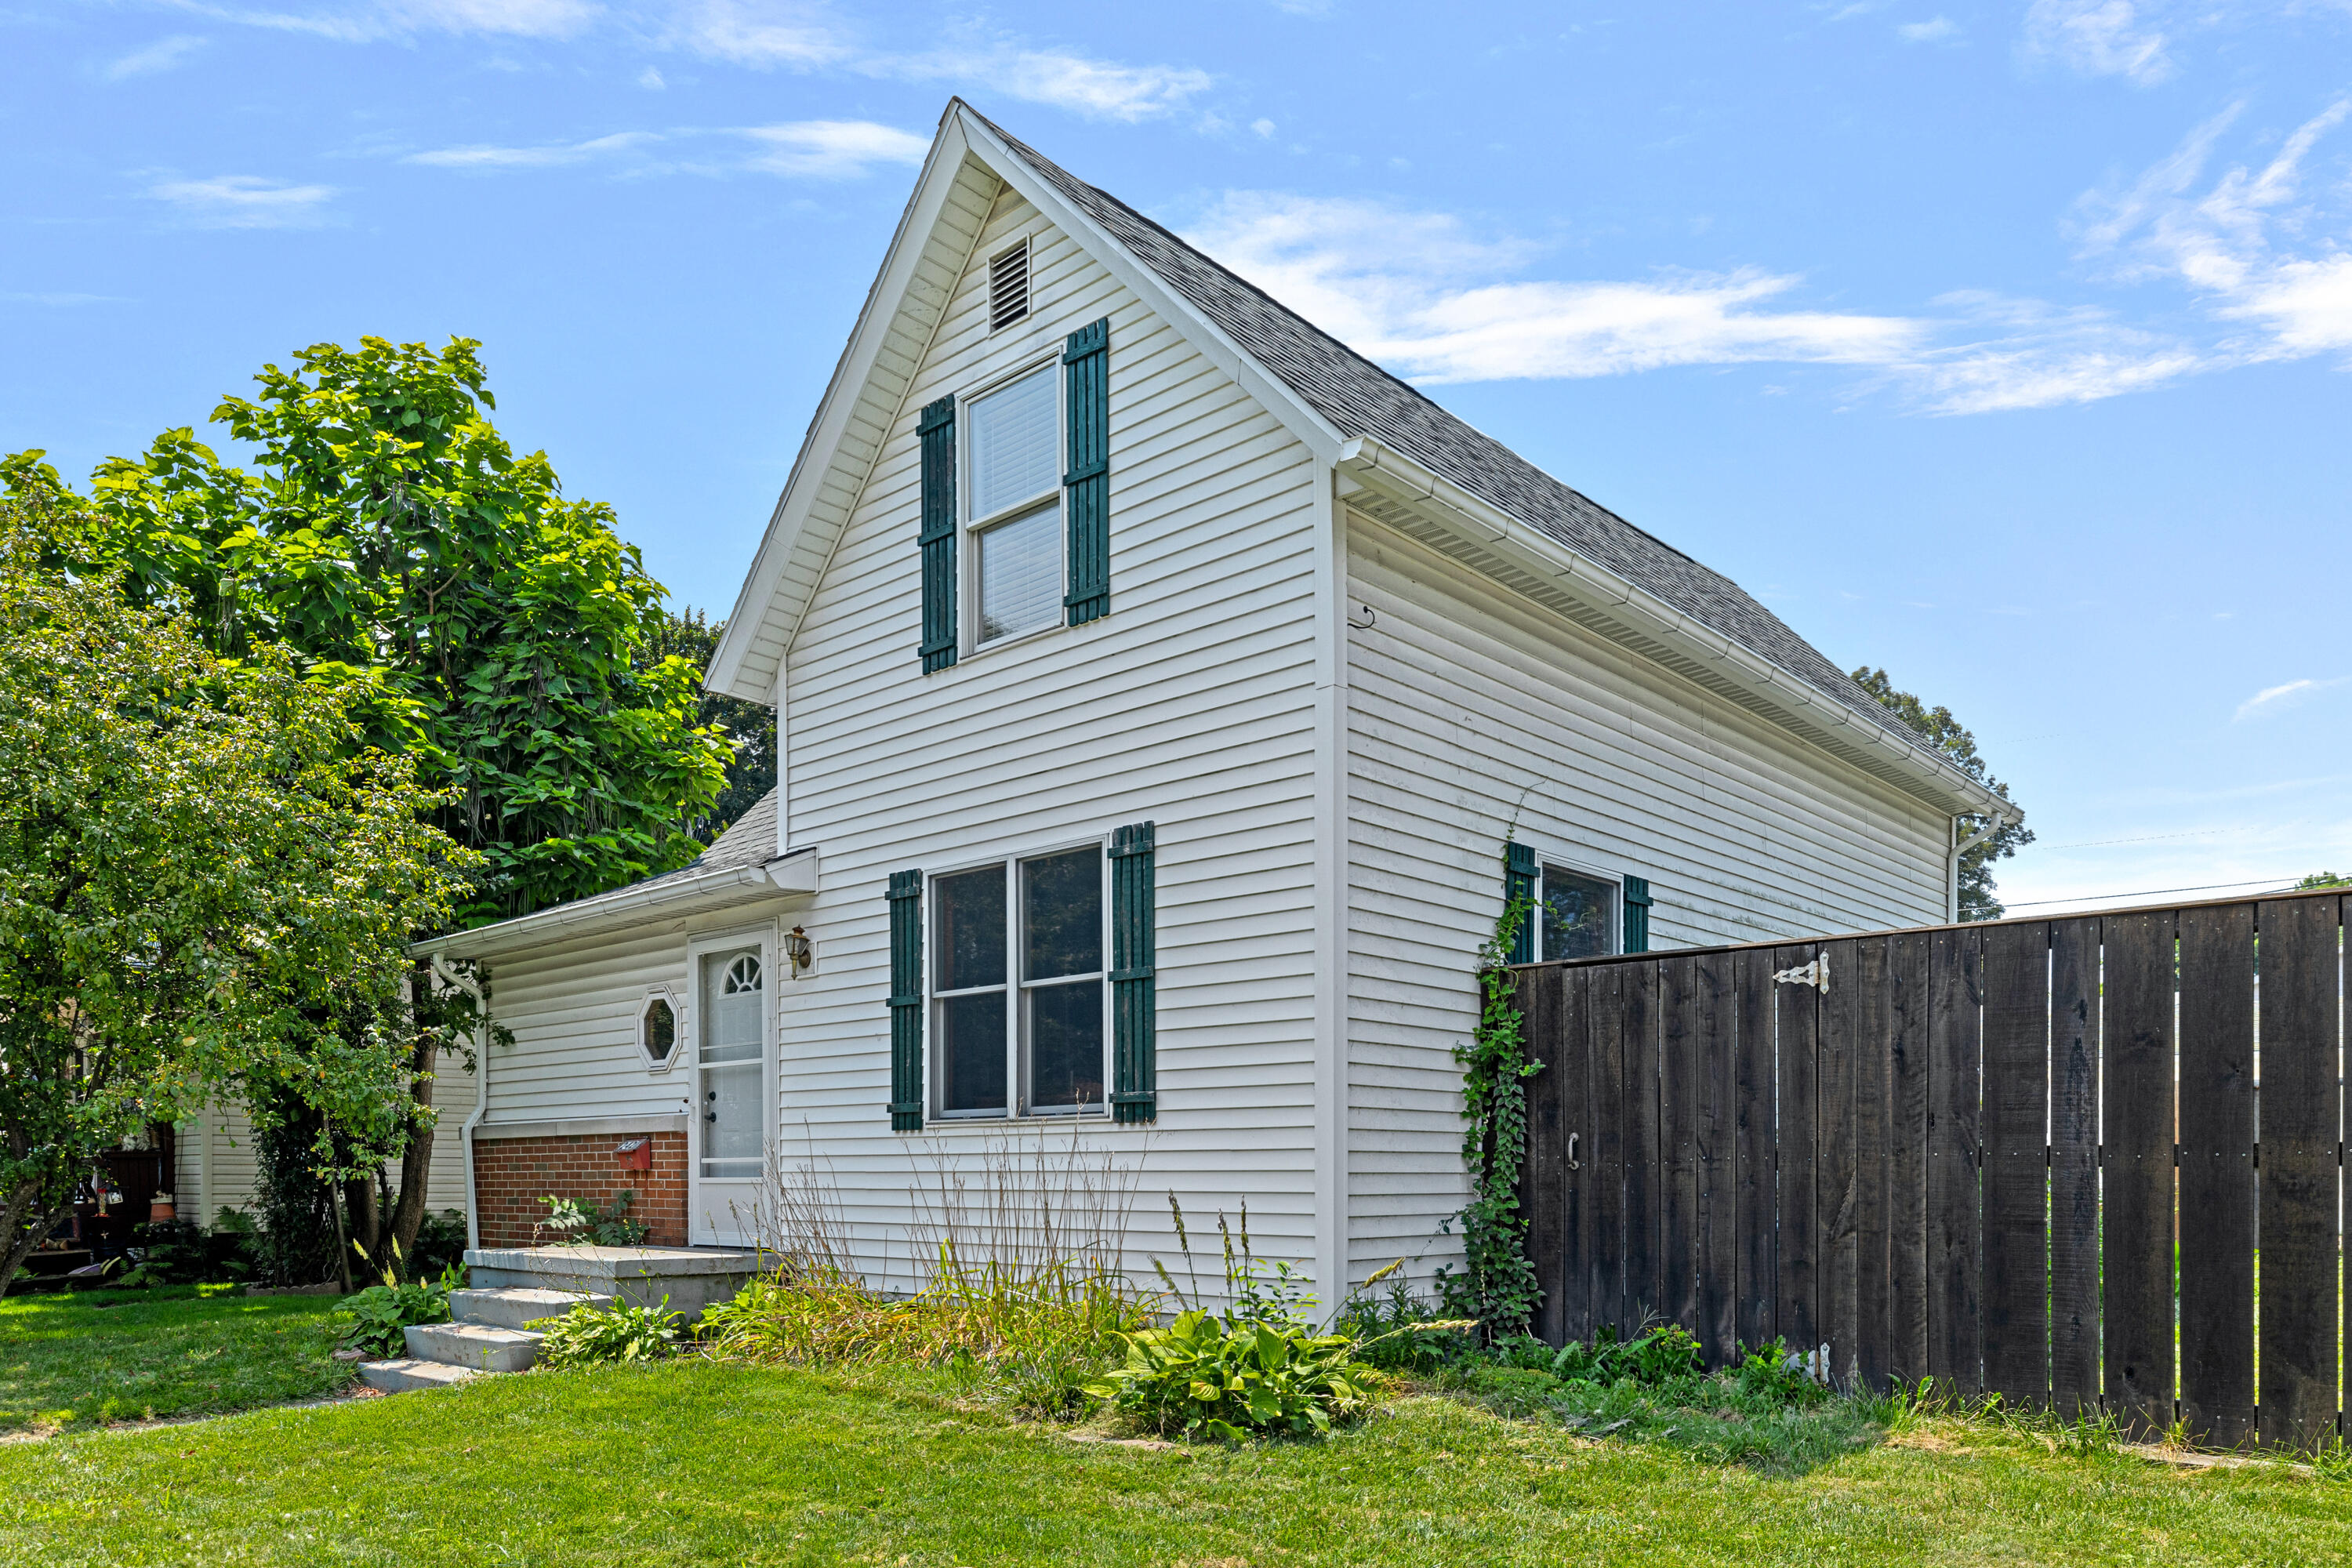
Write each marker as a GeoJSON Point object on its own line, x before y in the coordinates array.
{"type": "Point", "coordinates": [657, 1030]}
{"type": "Point", "coordinates": [1577, 914]}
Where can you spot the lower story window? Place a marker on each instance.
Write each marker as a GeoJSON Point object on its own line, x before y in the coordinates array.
{"type": "Point", "coordinates": [1018, 992]}
{"type": "Point", "coordinates": [1578, 914]}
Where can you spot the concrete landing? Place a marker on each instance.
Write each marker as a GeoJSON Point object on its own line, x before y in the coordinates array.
{"type": "Point", "coordinates": [692, 1278]}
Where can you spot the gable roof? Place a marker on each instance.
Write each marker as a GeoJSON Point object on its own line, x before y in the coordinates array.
{"type": "Point", "coordinates": [1334, 399]}
{"type": "Point", "coordinates": [1358, 398]}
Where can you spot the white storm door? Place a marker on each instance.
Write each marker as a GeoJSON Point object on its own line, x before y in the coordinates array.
{"type": "Point", "coordinates": [730, 1091]}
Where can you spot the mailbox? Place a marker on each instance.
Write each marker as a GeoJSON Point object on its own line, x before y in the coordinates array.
{"type": "Point", "coordinates": [636, 1155]}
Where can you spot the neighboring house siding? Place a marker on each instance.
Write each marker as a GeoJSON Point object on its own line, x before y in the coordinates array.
{"type": "Point", "coordinates": [230, 1179]}
{"type": "Point", "coordinates": [1467, 706]}
{"type": "Point", "coordinates": [1191, 705]}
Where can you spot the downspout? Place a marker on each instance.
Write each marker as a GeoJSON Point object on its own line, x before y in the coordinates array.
{"type": "Point", "coordinates": [1952, 863]}
{"type": "Point", "coordinates": [481, 1093]}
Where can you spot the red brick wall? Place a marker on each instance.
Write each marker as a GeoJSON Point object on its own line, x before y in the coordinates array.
{"type": "Point", "coordinates": [512, 1174]}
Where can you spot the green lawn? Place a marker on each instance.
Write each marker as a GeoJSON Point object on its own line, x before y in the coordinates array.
{"type": "Point", "coordinates": [70, 1361]}
{"type": "Point", "coordinates": [694, 1462]}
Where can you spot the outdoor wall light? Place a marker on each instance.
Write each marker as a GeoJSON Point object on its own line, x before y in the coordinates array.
{"type": "Point", "coordinates": [800, 949]}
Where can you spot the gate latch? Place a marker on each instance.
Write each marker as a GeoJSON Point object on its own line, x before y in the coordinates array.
{"type": "Point", "coordinates": [1816, 974]}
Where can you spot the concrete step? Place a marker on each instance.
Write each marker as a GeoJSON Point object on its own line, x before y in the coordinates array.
{"type": "Point", "coordinates": [399, 1376]}
{"type": "Point", "coordinates": [477, 1347]}
{"type": "Point", "coordinates": [518, 1306]}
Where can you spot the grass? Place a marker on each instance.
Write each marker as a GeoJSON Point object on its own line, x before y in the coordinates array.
{"type": "Point", "coordinates": [697, 1461]}
{"type": "Point", "coordinates": [103, 1356]}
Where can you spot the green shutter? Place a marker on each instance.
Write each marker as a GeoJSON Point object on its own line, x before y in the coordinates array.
{"type": "Point", "coordinates": [937, 539]}
{"type": "Point", "coordinates": [1519, 874]}
{"type": "Point", "coordinates": [1134, 995]}
{"type": "Point", "coordinates": [1637, 915]}
{"type": "Point", "coordinates": [906, 1001]}
{"type": "Point", "coordinates": [1085, 380]}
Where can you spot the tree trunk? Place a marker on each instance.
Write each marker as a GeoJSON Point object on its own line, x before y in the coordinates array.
{"type": "Point", "coordinates": [416, 1160]}
{"type": "Point", "coordinates": [24, 1220]}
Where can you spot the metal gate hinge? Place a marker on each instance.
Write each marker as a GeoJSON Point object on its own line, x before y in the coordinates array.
{"type": "Point", "coordinates": [1816, 974]}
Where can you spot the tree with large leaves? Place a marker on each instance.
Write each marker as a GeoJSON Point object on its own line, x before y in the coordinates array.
{"type": "Point", "coordinates": [1980, 898]}
{"type": "Point", "coordinates": [207, 880]}
{"type": "Point", "coordinates": [499, 633]}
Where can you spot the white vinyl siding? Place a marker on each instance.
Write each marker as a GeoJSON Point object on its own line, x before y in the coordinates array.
{"type": "Point", "coordinates": [215, 1169]}
{"type": "Point", "coordinates": [1189, 705]}
{"type": "Point", "coordinates": [1460, 697]}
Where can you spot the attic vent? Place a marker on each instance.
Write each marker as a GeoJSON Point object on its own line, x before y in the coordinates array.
{"type": "Point", "coordinates": [1008, 287]}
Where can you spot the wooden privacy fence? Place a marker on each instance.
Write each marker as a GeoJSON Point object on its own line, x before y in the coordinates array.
{"type": "Point", "coordinates": [1967, 1152]}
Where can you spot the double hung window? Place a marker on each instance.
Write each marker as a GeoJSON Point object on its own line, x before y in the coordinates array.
{"type": "Point", "coordinates": [1577, 914]}
{"type": "Point", "coordinates": [1018, 986]}
{"type": "Point", "coordinates": [1013, 436]}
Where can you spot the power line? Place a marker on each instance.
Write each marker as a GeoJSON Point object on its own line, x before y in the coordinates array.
{"type": "Point", "coordinates": [2264, 882]}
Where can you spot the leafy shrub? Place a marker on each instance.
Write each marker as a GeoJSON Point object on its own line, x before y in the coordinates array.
{"type": "Point", "coordinates": [584, 1225]}
{"type": "Point", "coordinates": [379, 1313]}
{"type": "Point", "coordinates": [588, 1334]}
{"type": "Point", "coordinates": [1222, 1376]}
{"type": "Point", "coordinates": [1400, 1331]}
{"type": "Point", "coordinates": [440, 1242]}
{"type": "Point", "coordinates": [182, 1252]}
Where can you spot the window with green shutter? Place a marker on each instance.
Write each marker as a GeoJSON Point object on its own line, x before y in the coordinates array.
{"type": "Point", "coordinates": [1519, 882]}
{"type": "Point", "coordinates": [906, 1001]}
{"type": "Point", "coordinates": [937, 538]}
{"type": "Point", "coordinates": [1134, 984]}
{"type": "Point", "coordinates": [1086, 481]}
{"type": "Point", "coordinates": [1637, 915]}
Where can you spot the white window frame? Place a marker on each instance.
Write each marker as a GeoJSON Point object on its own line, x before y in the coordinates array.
{"type": "Point", "coordinates": [1016, 1031]}
{"type": "Point", "coordinates": [679, 1039]}
{"type": "Point", "coordinates": [719, 1207]}
{"type": "Point", "coordinates": [1583, 868]}
{"type": "Point", "coordinates": [968, 528]}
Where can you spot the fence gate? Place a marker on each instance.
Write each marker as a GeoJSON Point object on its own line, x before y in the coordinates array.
{"type": "Point", "coordinates": [1975, 1152]}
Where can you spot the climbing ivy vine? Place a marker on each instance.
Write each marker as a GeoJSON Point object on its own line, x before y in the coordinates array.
{"type": "Point", "coordinates": [1497, 1285]}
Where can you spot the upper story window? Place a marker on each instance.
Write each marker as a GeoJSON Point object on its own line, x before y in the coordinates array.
{"type": "Point", "coordinates": [1014, 509]}
{"type": "Point", "coordinates": [1008, 287]}
{"type": "Point", "coordinates": [1019, 986]}
{"type": "Point", "coordinates": [1577, 913]}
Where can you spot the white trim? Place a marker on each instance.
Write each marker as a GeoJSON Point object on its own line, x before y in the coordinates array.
{"type": "Point", "coordinates": [793, 876]}
{"type": "Point", "coordinates": [1332, 1216]}
{"type": "Point", "coordinates": [706, 1225]}
{"type": "Point", "coordinates": [582, 1126]}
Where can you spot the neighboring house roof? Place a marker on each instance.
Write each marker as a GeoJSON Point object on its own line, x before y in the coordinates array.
{"type": "Point", "coordinates": [1360, 399]}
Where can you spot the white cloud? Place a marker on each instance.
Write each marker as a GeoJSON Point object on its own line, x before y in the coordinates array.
{"type": "Point", "coordinates": [651, 79]}
{"type": "Point", "coordinates": [755, 32]}
{"type": "Point", "coordinates": [1935, 30]}
{"type": "Point", "coordinates": [811, 149]}
{"type": "Point", "coordinates": [2275, 699]}
{"type": "Point", "coordinates": [164, 54]}
{"type": "Point", "coordinates": [244, 201]}
{"type": "Point", "coordinates": [2098, 38]}
{"type": "Point", "coordinates": [1102, 89]}
{"type": "Point", "coordinates": [832, 148]}
{"type": "Point", "coordinates": [367, 21]}
{"type": "Point", "coordinates": [1262, 127]}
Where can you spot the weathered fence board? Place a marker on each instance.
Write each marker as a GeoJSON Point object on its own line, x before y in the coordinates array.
{"type": "Point", "coordinates": [2019, 1158]}
{"type": "Point", "coordinates": [1955, 1227]}
{"type": "Point", "coordinates": [2217, 1173]}
{"type": "Point", "coordinates": [2299, 1123]}
{"type": "Point", "coordinates": [2136, 1175]}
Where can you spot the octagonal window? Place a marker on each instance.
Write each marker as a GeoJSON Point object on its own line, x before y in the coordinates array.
{"type": "Point", "coordinates": [657, 1030]}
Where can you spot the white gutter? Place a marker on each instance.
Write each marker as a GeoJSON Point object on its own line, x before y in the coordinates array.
{"type": "Point", "coordinates": [1952, 869]}
{"type": "Point", "coordinates": [1378, 468]}
{"type": "Point", "coordinates": [481, 1091]}
{"type": "Point", "coordinates": [784, 875]}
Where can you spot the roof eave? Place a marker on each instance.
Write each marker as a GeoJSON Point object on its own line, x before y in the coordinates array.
{"type": "Point", "coordinates": [1380, 469]}
{"type": "Point", "coordinates": [793, 876]}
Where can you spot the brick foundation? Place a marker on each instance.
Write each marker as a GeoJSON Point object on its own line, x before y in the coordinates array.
{"type": "Point", "coordinates": [512, 1174]}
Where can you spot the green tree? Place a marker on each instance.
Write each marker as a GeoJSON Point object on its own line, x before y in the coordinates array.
{"type": "Point", "coordinates": [750, 726]}
{"type": "Point", "coordinates": [500, 636]}
{"type": "Point", "coordinates": [207, 879]}
{"type": "Point", "coordinates": [2322, 879]}
{"type": "Point", "coordinates": [1980, 900]}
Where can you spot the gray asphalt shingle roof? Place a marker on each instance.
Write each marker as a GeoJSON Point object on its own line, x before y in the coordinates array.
{"type": "Point", "coordinates": [1360, 399]}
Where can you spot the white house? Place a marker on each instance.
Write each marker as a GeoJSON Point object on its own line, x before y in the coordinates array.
{"type": "Point", "coordinates": [1159, 683]}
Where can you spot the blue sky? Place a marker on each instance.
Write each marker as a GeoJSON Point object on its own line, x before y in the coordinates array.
{"type": "Point", "coordinates": [2001, 345]}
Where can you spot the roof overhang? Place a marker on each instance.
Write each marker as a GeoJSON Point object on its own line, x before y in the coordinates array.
{"type": "Point", "coordinates": [786, 879]}
{"type": "Point", "coordinates": [1543, 569]}
{"type": "Point", "coordinates": [775, 593]}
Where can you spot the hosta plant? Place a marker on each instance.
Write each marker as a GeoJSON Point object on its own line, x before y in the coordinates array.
{"type": "Point", "coordinates": [1204, 1375]}
{"type": "Point", "coordinates": [380, 1312]}
{"type": "Point", "coordinates": [586, 1335]}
